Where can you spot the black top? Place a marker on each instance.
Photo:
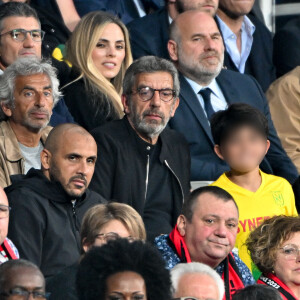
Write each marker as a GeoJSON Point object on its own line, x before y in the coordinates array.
{"type": "Point", "coordinates": [63, 285]}
{"type": "Point", "coordinates": [121, 171]}
{"type": "Point", "coordinates": [44, 223]}
{"type": "Point", "coordinates": [159, 195]}
{"type": "Point", "coordinates": [88, 110]}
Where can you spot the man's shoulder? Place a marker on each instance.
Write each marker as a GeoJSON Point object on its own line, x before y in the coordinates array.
{"type": "Point", "coordinates": [168, 254]}
{"type": "Point", "coordinates": [114, 130]}
{"type": "Point", "coordinates": [152, 21]}
{"type": "Point", "coordinates": [173, 137]}
{"type": "Point", "coordinates": [94, 198]}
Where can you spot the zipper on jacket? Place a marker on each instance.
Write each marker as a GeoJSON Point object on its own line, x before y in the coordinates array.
{"type": "Point", "coordinates": [75, 216]}
{"type": "Point", "coordinates": [166, 163]}
{"type": "Point", "coordinates": [147, 176]}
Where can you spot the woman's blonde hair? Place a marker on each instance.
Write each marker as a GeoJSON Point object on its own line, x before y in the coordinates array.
{"type": "Point", "coordinates": [79, 53]}
{"type": "Point", "coordinates": [99, 215]}
{"type": "Point", "coordinates": [263, 242]}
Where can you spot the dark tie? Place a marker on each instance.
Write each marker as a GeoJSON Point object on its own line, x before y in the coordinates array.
{"type": "Point", "coordinates": [205, 93]}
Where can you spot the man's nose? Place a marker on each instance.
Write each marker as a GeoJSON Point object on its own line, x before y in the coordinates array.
{"type": "Point", "coordinates": [155, 100]}
{"type": "Point", "coordinates": [28, 42]}
{"type": "Point", "coordinates": [221, 230]}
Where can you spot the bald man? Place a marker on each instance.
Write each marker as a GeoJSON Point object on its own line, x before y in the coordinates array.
{"type": "Point", "coordinates": [48, 204]}
{"type": "Point", "coordinates": [197, 49]}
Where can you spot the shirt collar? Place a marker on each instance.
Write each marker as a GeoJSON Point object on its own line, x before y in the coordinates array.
{"type": "Point", "coordinates": [197, 87]}
{"type": "Point", "coordinates": [247, 25]}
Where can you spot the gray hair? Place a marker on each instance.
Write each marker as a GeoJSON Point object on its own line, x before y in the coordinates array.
{"type": "Point", "coordinates": [14, 265]}
{"type": "Point", "coordinates": [149, 64]}
{"type": "Point", "coordinates": [191, 268]}
{"type": "Point", "coordinates": [25, 67]}
{"type": "Point", "coordinates": [16, 9]}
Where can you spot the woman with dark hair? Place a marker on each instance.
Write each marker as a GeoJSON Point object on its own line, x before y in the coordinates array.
{"type": "Point", "coordinates": [274, 247]}
{"type": "Point", "coordinates": [123, 270]}
{"type": "Point", "coordinates": [257, 292]}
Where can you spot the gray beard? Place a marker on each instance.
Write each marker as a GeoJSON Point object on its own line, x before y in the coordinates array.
{"type": "Point", "coordinates": [198, 72]}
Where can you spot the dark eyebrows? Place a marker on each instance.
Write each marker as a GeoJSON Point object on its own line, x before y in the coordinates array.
{"type": "Point", "coordinates": [48, 87]}
{"type": "Point", "coordinates": [216, 34]}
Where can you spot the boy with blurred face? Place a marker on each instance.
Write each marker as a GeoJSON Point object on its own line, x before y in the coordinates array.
{"type": "Point", "coordinates": [241, 137]}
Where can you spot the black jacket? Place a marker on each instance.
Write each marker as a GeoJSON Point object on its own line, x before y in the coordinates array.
{"type": "Point", "coordinates": [88, 110]}
{"type": "Point", "coordinates": [260, 61]}
{"type": "Point", "coordinates": [44, 225]}
{"type": "Point", "coordinates": [120, 172]}
{"type": "Point", "coordinates": [63, 285]}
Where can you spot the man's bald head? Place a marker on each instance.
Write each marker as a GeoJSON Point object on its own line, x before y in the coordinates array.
{"type": "Point", "coordinates": [184, 22]}
{"type": "Point", "coordinates": [56, 136]}
{"type": "Point", "coordinates": [69, 158]}
{"type": "Point", "coordinates": [196, 46]}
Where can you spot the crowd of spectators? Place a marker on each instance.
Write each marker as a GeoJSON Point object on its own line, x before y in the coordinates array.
{"type": "Point", "coordinates": [149, 149]}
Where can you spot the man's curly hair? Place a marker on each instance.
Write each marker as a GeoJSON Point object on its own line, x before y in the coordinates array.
{"type": "Point", "coordinates": [120, 256]}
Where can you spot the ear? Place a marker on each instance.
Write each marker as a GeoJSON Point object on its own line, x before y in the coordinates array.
{"type": "Point", "coordinates": [125, 103]}
{"type": "Point", "coordinates": [217, 149]}
{"type": "Point", "coordinates": [6, 109]}
{"type": "Point", "coordinates": [181, 224]}
{"type": "Point", "coordinates": [268, 146]}
{"type": "Point", "coordinates": [85, 245]}
{"type": "Point", "coordinates": [174, 107]}
{"type": "Point", "coordinates": [173, 50]}
{"type": "Point", "coordinates": [46, 159]}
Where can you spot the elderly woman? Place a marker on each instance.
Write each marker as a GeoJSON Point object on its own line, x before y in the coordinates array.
{"type": "Point", "coordinates": [121, 270]}
{"type": "Point", "coordinates": [100, 224]}
{"type": "Point", "coordinates": [274, 248]}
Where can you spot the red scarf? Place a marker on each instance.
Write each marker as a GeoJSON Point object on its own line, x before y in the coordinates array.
{"type": "Point", "coordinates": [7, 249]}
{"type": "Point", "coordinates": [231, 276]}
{"type": "Point", "coordinates": [276, 283]}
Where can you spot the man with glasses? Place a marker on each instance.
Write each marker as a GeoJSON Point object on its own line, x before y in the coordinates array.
{"type": "Point", "coordinates": [21, 36]}
{"type": "Point", "coordinates": [21, 279]}
{"type": "Point", "coordinates": [8, 250]}
{"type": "Point", "coordinates": [196, 281]}
{"type": "Point", "coordinates": [140, 162]}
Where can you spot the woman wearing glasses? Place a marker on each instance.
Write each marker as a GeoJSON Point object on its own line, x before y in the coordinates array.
{"type": "Point", "coordinates": [101, 223]}
{"type": "Point", "coordinates": [99, 51]}
{"type": "Point", "coordinates": [274, 248]}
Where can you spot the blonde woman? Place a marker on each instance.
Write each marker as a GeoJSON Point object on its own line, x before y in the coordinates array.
{"type": "Point", "coordinates": [100, 224]}
{"type": "Point", "coordinates": [99, 51]}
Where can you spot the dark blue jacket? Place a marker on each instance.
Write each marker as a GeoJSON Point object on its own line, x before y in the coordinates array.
{"type": "Point", "coordinates": [191, 121]}
{"type": "Point", "coordinates": [149, 36]}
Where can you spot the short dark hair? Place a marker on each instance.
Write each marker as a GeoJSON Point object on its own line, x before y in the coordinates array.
{"type": "Point", "coordinates": [189, 203]}
{"type": "Point", "coordinates": [13, 265]}
{"type": "Point", "coordinates": [16, 9]}
{"type": "Point", "coordinates": [225, 122]}
{"type": "Point", "coordinates": [257, 292]}
{"type": "Point", "coordinates": [120, 256]}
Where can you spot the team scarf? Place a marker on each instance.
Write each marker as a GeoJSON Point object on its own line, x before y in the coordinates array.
{"type": "Point", "coordinates": [6, 251]}
{"type": "Point", "coordinates": [274, 282]}
{"type": "Point", "coordinates": [231, 275]}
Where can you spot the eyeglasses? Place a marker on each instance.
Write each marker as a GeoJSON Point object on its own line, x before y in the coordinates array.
{"type": "Point", "coordinates": [4, 211]}
{"type": "Point", "coordinates": [24, 294]}
{"type": "Point", "coordinates": [146, 93]}
{"type": "Point", "coordinates": [290, 252]}
{"type": "Point", "coordinates": [112, 236]}
{"type": "Point", "coordinates": [20, 35]}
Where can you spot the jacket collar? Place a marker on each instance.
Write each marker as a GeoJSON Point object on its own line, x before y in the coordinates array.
{"type": "Point", "coordinates": [166, 143]}
{"type": "Point", "coordinates": [36, 181]}
{"type": "Point", "coordinates": [189, 96]}
{"type": "Point", "coordinates": [11, 145]}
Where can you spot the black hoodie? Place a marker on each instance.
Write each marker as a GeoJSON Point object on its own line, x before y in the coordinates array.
{"type": "Point", "coordinates": [44, 223]}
